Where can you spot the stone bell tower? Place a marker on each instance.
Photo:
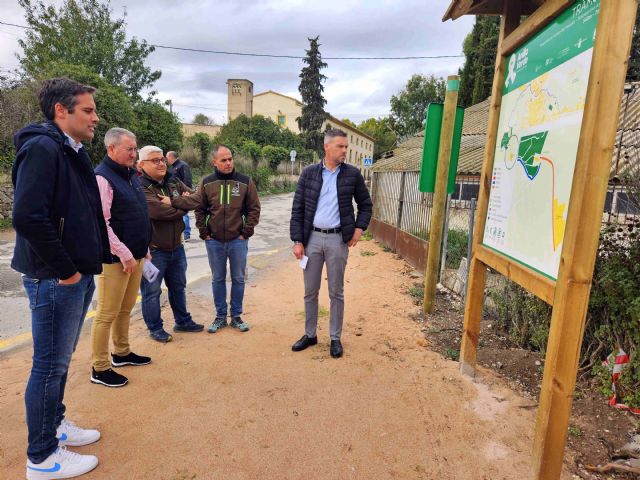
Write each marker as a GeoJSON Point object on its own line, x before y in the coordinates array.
{"type": "Point", "coordinates": [239, 98]}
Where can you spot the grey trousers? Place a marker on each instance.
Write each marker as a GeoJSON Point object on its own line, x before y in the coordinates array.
{"type": "Point", "coordinates": [329, 249]}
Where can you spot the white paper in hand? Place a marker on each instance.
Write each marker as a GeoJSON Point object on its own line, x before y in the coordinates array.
{"type": "Point", "coordinates": [303, 262]}
{"type": "Point", "coordinates": [149, 271]}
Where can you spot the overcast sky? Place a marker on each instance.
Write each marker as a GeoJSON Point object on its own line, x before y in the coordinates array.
{"type": "Point", "coordinates": [355, 89]}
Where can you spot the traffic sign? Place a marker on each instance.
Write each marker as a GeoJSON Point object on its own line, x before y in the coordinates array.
{"type": "Point", "coordinates": [293, 154]}
{"type": "Point", "coordinates": [367, 161]}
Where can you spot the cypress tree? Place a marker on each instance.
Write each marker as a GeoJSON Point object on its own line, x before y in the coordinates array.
{"type": "Point", "coordinates": [311, 88]}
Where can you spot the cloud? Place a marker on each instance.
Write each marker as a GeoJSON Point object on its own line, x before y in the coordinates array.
{"type": "Point", "coordinates": [356, 89]}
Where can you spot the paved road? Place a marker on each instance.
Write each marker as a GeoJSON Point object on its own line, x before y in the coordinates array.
{"type": "Point", "coordinates": [271, 236]}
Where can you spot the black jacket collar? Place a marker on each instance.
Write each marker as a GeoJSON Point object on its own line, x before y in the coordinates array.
{"type": "Point", "coordinates": [224, 176]}
{"type": "Point", "coordinates": [124, 172]}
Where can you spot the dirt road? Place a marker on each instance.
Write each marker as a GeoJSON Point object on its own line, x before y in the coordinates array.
{"type": "Point", "coordinates": [244, 406]}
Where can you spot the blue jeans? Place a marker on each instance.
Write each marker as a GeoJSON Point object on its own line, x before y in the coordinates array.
{"type": "Point", "coordinates": [173, 269]}
{"type": "Point", "coordinates": [57, 314]}
{"type": "Point", "coordinates": [218, 253]}
{"type": "Point", "coordinates": [187, 226]}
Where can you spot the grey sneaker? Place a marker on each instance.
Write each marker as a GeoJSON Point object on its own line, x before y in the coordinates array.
{"type": "Point", "coordinates": [217, 324]}
{"type": "Point", "coordinates": [236, 322]}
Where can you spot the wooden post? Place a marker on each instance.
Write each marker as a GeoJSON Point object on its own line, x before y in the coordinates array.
{"type": "Point", "coordinates": [440, 194]}
{"type": "Point", "coordinates": [595, 150]}
{"type": "Point", "coordinates": [477, 270]}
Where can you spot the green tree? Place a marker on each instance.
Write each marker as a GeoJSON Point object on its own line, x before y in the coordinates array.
{"type": "Point", "coordinates": [633, 72]}
{"type": "Point", "coordinates": [202, 119]}
{"type": "Point", "coordinates": [112, 105]}
{"type": "Point", "coordinates": [480, 48]}
{"type": "Point", "coordinates": [202, 142]}
{"type": "Point", "coordinates": [83, 32]}
{"type": "Point", "coordinates": [380, 129]}
{"type": "Point", "coordinates": [253, 150]}
{"type": "Point", "coordinates": [311, 88]}
{"type": "Point", "coordinates": [261, 130]}
{"type": "Point", "coordinates": [349, 122]}
{"type": "Point", "coordinates": [409, 106]}
{"type": "Point", "coordinates": [156, 126]}
{"type": "Point", "coordinates": [275, 155]}
{"type": "Point", "coordinates": [18, 106]}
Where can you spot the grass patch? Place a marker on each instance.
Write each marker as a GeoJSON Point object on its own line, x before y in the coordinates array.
{"type": "Point", "coordinates": [367, 253]}
{"type": "Point", "coordinates": [575, 431]}
{"type": "Point", "coordinates": [452, 354]}
{"type": "Point", "coordinates": [416, 292]}
{"type": "Point", "coordinates": [366, 236]}
{"type": "Point", "coordinates": [5, 223]}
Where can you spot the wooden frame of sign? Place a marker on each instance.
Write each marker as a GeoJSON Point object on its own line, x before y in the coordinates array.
{"type": "Point", "coordinates": [569, 292]}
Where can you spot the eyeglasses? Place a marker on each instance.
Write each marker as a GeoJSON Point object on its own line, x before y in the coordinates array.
{"type": "Point", "coordinates": [156, 161]}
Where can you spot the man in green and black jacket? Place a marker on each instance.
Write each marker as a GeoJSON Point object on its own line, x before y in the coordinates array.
{"type": "Point", "coordinates": [228, 212]}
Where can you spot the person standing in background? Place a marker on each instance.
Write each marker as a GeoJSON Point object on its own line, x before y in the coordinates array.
{"type": "Point", "coordinates": [180, 169]}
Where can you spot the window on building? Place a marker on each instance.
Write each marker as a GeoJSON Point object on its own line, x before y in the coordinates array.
{"type": "Point", "coordinates": [236, 89]}
{"type": "Point", "coordinates": [281, 120]}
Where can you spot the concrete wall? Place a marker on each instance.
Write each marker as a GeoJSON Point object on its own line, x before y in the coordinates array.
{"type": "Point", "coordinates": [189, 129]}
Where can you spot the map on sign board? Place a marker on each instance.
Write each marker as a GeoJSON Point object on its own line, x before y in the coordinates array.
{"type": "Point", "coordinates": [543, 101]}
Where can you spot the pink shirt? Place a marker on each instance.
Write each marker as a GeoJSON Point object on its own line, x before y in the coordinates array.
{"type": "Point", "coordinates": [106, 198]}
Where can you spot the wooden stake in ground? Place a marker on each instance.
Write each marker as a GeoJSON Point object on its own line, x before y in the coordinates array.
{"type": "Point", "coordinates": [440, 194]}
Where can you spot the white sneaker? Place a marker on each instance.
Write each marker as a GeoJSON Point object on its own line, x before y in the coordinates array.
{"type": "Point", "coordinates": [70, 434]}
{"type": "Point", "coordinates": [62, 463]}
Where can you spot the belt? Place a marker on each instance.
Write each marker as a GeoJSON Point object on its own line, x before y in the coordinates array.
{"type": "Point", "coordinates": [327, 230]}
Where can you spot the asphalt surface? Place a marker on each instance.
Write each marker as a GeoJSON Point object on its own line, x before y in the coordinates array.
{"type": "Point", "coordinates": [271, 237]}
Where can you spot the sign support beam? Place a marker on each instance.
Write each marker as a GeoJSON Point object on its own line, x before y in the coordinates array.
{"type": "Point", "coordinates": [595, 150]}
{"type": "Point", "coordinates": [477, 270]}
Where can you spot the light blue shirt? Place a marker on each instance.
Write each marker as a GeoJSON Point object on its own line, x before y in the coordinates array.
{"type": "Point", "coordinates": [328, 214]}
{"type": "Point", "coordinates": [72, 143]}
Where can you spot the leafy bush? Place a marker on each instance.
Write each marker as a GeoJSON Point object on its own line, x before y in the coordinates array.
{"type": "Point", "coordinates": [457, 241]}
{"type": "Point", "coordinates": [203, 144]}
{"type": "Point", "coordinates": [614, 308]}
{"type": "Point", "coordinates": [523, 315]}
{"type": "Point", "coordinates": [274, 155]}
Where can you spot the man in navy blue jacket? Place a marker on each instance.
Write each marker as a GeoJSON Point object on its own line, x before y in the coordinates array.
{"type": "Point", "coordinates": [323, 227]}
{"type": "Point", "coordinates": [61, 242]}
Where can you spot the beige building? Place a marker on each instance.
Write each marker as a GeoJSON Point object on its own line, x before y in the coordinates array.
{"type": "Point", "coordinates": [285, 110]}
{"type": "Point", "coordinates": [189, 129]}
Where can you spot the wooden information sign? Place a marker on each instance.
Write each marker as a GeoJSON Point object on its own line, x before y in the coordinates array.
{"type": "Point", "coordinates": [557, 86]}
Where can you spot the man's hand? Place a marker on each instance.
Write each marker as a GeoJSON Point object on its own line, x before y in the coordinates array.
{"type": "Point", "coordinates": [185, 194]}
{"type": "Point", "coordinates": [356, 236]}
{"type": "Point", "coordinates": [129, 266]}
{"type": "Point", "coordinates": [164, 200]}
{"type": "Point", "coordinates": [298, 251]}
{"type": "Point", "coordinates": [72, 280]}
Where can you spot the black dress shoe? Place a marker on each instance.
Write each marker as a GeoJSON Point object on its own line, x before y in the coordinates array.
{"type": "Point", "coordinates": [303, 343]}
{"type": "Point", "coordinates": [336, 349]}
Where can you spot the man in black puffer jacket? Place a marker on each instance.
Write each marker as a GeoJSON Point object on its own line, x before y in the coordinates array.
{"type": "Point", "coordinates": [323, 227]}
